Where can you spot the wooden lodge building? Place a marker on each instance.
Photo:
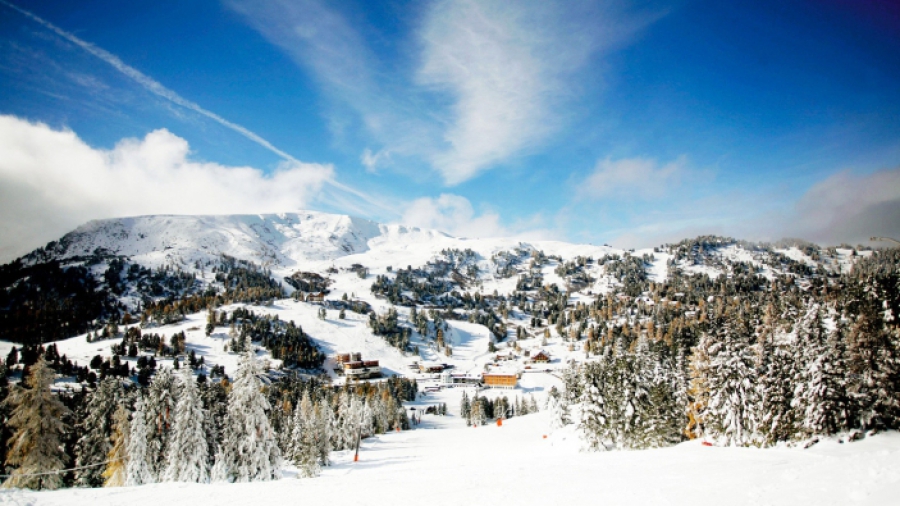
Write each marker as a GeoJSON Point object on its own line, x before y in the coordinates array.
{"type": "Point", "coordinates": [540, 357]}
{"type": "Point", "coordinates": [499, 380]}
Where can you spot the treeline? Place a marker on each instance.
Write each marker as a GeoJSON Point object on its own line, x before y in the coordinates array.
{"type": "Point", "coordinates": [742, 360]}
{"type": "Point", "coordinates": [43, 300]}
{"type": "Point", "coordinates": [187, 430]}
{"type": "Point", "coordinates": [479, 409]}
{"type": "Point", "coordinates": [47, 302]}
{"type": "Point", "coordinates": [286, 341]}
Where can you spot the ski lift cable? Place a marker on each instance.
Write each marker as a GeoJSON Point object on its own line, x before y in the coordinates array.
{"type": "Point", "coordinates": [58, 471]}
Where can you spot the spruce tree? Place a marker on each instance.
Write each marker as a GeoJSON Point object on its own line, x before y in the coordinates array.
{"type": "Point", "coordinates": [323, 425]}
{"type": "Point", "coordinates": [96, 428]}
{"type": "Point", "coordinates": [38, 429]}
{"type": "Point", "coordinates": [778, 369]}
{"type": "Point", "coordinates": [249, 451]}
{"type": "Point", "coordinates": [874, 359]}
{"type": "Point", "coordinates": [465, 409]}
{"type": "Point", "coordinates": [137, 469]}
{"type": "Point", "coordinates": [158, 410]}
{"type": "Point", "coordinates": [820, 396]}
{"type": "Point", "coordinates": [305, 449]}
{"type": "Point", "coordinates": [187, 458]}
{"type": "Point", "coordinates": [730, 416]}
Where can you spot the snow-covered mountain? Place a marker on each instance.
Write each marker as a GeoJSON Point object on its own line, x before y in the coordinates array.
{"type": "Point", "coordinates": [137, 258]}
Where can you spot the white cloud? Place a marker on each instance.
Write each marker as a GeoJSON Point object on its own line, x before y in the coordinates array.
{"type": "Point", "coordinates": [319, 38]}
{"type": "Point", "coordinates": [491, 80]}
{"type": "Point", "coordinates": [848, 207]}
{"type": "Point", "coordinates": [455, 215]}
{"type": "Point", "coordinates": [371, 160]}
{"type": "Point", "coordinates": [52, 181]}
{"type": "Point", "coordinates": [632, 178]}
{"type": "Point", "coordinates": [509, 67]}
{"type": "Point", "coordinates": [845, 207]}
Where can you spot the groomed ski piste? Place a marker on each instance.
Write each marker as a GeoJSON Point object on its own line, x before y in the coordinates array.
{"type": "Point", "coordinates": [443, 462]}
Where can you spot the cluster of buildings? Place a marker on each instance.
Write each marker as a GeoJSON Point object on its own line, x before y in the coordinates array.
{"type": "Point", "coordinates": [354, 367]}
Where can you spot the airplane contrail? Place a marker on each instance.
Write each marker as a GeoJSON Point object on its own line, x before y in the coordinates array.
{"type": "Point", "coordinates": [148, 82]}
{"type": "Point", "coordinates": [158, 89]}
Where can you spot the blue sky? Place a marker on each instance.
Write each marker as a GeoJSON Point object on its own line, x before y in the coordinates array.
{"type": "Point", "coordinates": [629, 123]}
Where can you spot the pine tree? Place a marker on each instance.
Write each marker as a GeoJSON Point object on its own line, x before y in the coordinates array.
{"type": "Point", "coordinates": [249, 451]}
{"type": "Point", "coordinates": [158, 410]}
{"type": "Point", "coordinates": [94, 445]}
{"type": "Point", "coordinates": [465, 409]}
{"type": "Point", "coordinates": [346, 422]}
{"type": "Point", "coordinates": [187, 458]}
{"type": "Point", "coordinates": [820, 396]}
{"type": "Point", "coordinates": [137, 469]}
{"type": "Point", "coordinates": [731, 413]}
{"type": "Point", "coordinates": [874, 358]}
{"type": "Point", "coordinates": [305, 452]}
{"type": "Point", "coordinates": [323, 424]}
{"type": "Point", "coordinates": [215, 403]}
{"type": "Point", "coordinates": [115, 474]}
{"type": "Point", "coordinates": [36, 443]}
{"type": "Point", "coordinates": [557, 409]}
{"type": "Point", "coordinates": [777, 417]}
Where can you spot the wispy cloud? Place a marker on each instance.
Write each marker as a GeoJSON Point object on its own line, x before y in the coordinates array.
{"type": "Point", "coordinates": [363, 91]}
{"type": "Point", "coordinates": [490, 81]}
{"type": "Point", "coordinates": [455, 215]}
{"type": "Point", "coordinates": [632, 178]}
{"type": "Point", "coordinates": [505, 66]}
{"type": "Point", "coordinates": [844, 207]}
{"type": "Point", "coordinates": [848, 207]}
{"type": "Point", "coordinates": [149, 83]}
{"type": "Point", "coordinates": [52, 181]}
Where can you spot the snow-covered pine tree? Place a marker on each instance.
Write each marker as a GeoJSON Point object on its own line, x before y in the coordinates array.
{"type": "Point", "coordinates": [820, 397]}
{"type": "Point", "coordinates": [158, 409]}
{"type": "Point", "coordinates": [777, 369]}
{"type": "Point", "coordinates": [36, 442]}
{"type": "Point", "coordinates": [355, 420]}
{"type": "Point", "coordinates": [137, 469]}
{"type": "Point", "coordinates": [115, 473]}
{"type": "Point", "coordinates": [249, 451]}
{"type": "Point", "coordinates": [215, 402]}
{"type": "Point", "coordinates": [557, 409]}
{"type": "Point", "coordinates": [186, 458]}
{"type": "Point", "coordinates": [730, 416]}
{"type": "Point", "coordinates": [94, 444]}
{"type": "Point", "coordinates": [660, 419]}
{"type": "Point", "coordinates": [533, 405]}
{"type": "Point", "coordinates": [465, 409]}
{"type": "Point", "coordinates": [305, 448]}
{"type": "Point", "coordinates": [594, 426]}
{"type": "Point", "coordinates": [323, 425]}
{"type": "Point", "coordinates": [345, 423]}
{"type": "Point", "coordinates": [382, 411]}
{"type": "Point", "coordinates": [874, 359]}
{"type": "Point", "coordinates": [479, 417]}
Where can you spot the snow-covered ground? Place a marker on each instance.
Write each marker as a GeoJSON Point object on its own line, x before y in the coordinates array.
{"type": "Point", "coordinates": [444, 462]}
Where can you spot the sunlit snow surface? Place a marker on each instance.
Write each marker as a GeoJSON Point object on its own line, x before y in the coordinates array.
{"type": "Point", "coordinates": [443, 462]}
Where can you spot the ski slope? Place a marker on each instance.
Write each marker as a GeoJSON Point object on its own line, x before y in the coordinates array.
{"type": "Point", "coordinates": [443, 462]}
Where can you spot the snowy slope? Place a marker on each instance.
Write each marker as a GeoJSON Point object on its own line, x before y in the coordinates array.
{"type": "Point", "coordinates": [515, 464]}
